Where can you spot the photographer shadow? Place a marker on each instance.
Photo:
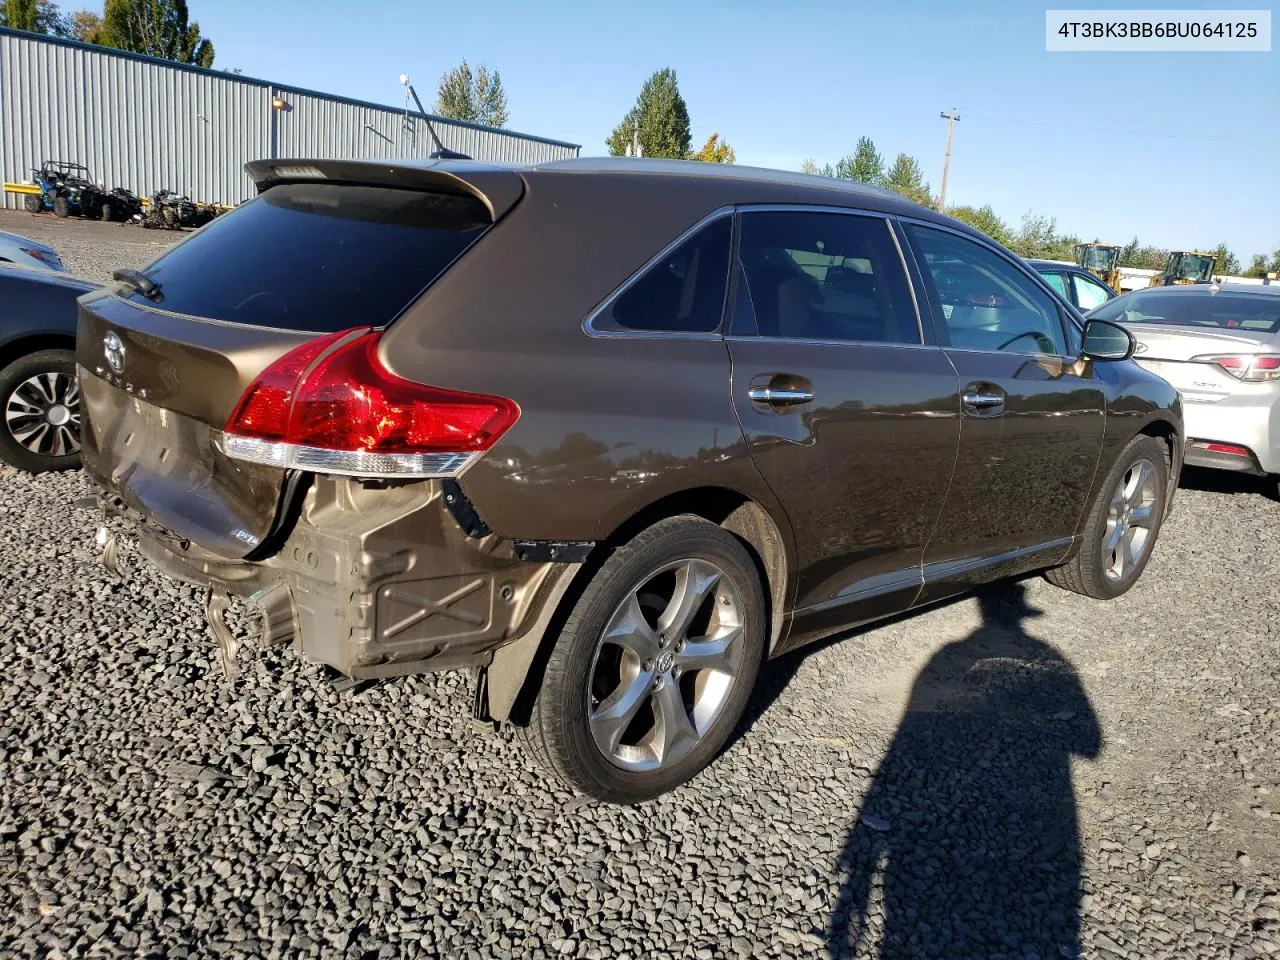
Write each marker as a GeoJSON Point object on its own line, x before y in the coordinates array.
{"type": "Point", "coordinates": [968, 844]}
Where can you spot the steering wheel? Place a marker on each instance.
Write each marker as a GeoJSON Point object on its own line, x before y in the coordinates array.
{"type": "Point", "coordinates": [1044, 342]}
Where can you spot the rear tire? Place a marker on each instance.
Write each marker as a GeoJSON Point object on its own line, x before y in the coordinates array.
{"type": "Point", "coordinates": [32, 204]}
{"type": "Point", "coordinates": [1122, 525]}
{"type": "Point", "coordinates": [61, 207]}
{"type": "Point", "coordinates": [654, 666]}
{"type": "Point", "coordinates": [40, 412]}
{"type": "Point", "coordinates": [106, 211]}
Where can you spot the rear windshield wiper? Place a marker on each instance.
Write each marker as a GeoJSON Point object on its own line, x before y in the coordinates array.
{"type": "Point", "coordinates": [140, 282]}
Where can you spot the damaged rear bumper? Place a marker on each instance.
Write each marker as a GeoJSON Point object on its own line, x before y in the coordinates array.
{"type": "Point", "coordinates": [371, 581]}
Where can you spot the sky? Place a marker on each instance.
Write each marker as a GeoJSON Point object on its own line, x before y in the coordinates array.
{"type": "Point", "coordinates": [1181, 150]}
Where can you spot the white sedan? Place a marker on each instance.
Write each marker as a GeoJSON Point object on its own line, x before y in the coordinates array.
{"type": "Point", "coordinates": [25, 252]}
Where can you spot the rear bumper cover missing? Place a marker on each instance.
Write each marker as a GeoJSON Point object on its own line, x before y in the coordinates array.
{"type": "Point", "coordinates": [374, 582]}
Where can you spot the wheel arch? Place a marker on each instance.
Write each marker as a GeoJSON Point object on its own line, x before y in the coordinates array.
{"type": "Point", "coordinates": [1168, 434]}
{"type": "Point", "coordinates": [20, 346]}
{"type": "Point", "coordinates": [515, 674]}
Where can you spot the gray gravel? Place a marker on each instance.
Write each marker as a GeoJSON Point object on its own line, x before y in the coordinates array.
{"type": "Point", "coordinates": [1029, 774]}
{"type": "Point", "coordinates": [151, 809]}
{"type": "Point", "coordinates": [89, 248]}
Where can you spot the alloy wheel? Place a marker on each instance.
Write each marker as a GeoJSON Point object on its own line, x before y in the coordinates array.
{"type": "Point", "coordinates": [43, 414]}
{"type": "Point", "coordinates": [1129, 517]}
{"type": "Point", "coordinates": [665, 665]}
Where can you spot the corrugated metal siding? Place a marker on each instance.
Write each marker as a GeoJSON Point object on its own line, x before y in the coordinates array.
{"type": "Point", "coordinates": [324, 127]}
{"type": "Point", "coordinates": [147, 125]}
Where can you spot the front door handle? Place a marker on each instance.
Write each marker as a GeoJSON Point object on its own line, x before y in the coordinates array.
{"type": "Point", "coordinates": [984, 400]}
{"type": "Point", "coordinates": [779, 396]}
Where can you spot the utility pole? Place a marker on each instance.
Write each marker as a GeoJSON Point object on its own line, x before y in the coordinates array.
{"type": "Point", "coordinates": [634, 149]}
{"type": "Point", "coordinates": [951, 119]}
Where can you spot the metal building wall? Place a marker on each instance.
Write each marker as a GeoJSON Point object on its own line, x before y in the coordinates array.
{"type": "Point", "coordinates": [148, 125]}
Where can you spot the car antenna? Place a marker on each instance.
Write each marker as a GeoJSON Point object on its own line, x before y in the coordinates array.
{"type": "Point", "coordinates": [441, 152]}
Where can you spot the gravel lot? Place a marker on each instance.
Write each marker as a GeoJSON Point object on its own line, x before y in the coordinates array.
{"type": "Point", "coordinates": [1026, 774]}
{"type": "Point", "coordinates": [89, 248]}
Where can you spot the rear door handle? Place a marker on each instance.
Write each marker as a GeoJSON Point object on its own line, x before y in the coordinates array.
{"type": "Point", "coordinates": [779, 396]}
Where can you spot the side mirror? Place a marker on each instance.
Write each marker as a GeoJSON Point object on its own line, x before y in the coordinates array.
{"type": "Point", "coordinates": [1104, 340]}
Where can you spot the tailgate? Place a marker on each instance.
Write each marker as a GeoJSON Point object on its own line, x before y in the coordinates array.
{"type": "Point", "coordinates": [151, 430]}
{"type": "Point", "coordinates": [166, 356]}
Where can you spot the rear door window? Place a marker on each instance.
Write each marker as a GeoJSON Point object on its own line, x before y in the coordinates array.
{"type": "Point", "coordinates": [317, 257]}
{"type": "Point", "coordinates": [814, 275]}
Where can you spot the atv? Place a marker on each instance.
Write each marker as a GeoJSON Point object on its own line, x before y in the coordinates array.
{"type": "Point", "coordinates": [65, 188]}
{"type": "Point", "coordinates": [120, 204]}
{"type": "Point", "coordinates": [170, 211]}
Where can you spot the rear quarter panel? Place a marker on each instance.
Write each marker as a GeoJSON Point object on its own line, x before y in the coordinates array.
{"type": "Point", "coordinates": [608, 424]}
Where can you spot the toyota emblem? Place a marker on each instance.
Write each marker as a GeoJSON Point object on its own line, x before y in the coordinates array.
{"type": "Point", "coordinates": [113, 350]}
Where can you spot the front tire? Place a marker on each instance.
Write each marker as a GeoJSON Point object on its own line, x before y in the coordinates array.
{"type": "Point", "coordinates": [32, 203]}
{"type": "Point", "coordinates": [40, 404]}
{"type": "Point", "coordinates": [655, 664]}
{"type": "Point", "coordinates": [1122, 526]}
{"type": "Point", "coordinates": [61, 207]}
{"type": "Point", "coordinates": [106, 212]}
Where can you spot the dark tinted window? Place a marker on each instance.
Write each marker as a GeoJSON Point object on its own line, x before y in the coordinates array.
{"type": "Point", "coordinates": [684, 291]}
{"type": "Point", "coordinates": [987, 303]}
{"type": "Point", "coordinates": [1226, 311]}
{"type": "Point", "coordinates": [824, 276]}
{"type": "Point", "coordinates": [317, 256]}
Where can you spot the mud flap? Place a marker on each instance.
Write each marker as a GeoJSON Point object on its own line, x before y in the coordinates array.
{"type": "Point", "coordinates": [216, 604]}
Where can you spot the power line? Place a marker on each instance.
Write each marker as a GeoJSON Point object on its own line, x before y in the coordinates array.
{"type": "Point", "coordinates": [1133, 133]}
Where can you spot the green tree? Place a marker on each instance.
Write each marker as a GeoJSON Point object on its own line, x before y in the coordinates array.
{"type": "Point", "coordinates": [476, 97]}
{"type": "Point", "coordinates": [1038, 237]}
{"type": "Point", "coordinates": [36, 16]}
{"type": "Point", "coordinates": [661, 118]}
{"type": "Point", "coordinates": [811, 167]}
{"type": "Point", "coordinates": [906, 177]}
{"type": "Point", "coordinates": [715, 150]}
{"type": "Point", "coordinates": [984, 219]}
{"type": "Point", "coordinates": [85, 25]}
{"type": "Point", "coordinates": [1260, 265]}
{"type": "Point", "coordinates": [1227, 262]}
{"type": "Point", "coordinates": [866, 165]}
{"type": "Point", "coordinates": [158, 28]}
{"type": "Point", "coordinates": [1143, 257]}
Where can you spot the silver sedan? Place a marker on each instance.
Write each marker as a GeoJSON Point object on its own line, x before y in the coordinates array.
{"type": "Point", "coordinates": [1219, 346]}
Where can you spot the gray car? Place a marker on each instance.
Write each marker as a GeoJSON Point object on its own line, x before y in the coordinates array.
{"type": "Point", "coordinates": [1219, 345]}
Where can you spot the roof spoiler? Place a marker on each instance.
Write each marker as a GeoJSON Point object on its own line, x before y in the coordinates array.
{"type": "Point", "coordinates": [497, 188]}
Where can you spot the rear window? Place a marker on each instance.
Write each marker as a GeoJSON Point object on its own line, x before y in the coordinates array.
{"type": "Point", "coordinates": [317, 257]}
{"type": "Point", "coordinates": [1224, 311]}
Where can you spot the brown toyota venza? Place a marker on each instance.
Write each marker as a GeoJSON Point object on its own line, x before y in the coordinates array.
{"type": "Point", "coordinates": [608, 433]}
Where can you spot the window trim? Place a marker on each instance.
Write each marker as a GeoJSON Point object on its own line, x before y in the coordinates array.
{"type": "Point", "coordinates": [589, 326]}
{"type": "Point", "coordinates": [886, 219]}
{"type": "Point", "coordinates": [1070, 335]}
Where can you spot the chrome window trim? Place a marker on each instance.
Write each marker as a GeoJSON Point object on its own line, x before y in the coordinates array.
{"type": "Point", "coordinates": [863, 344]}
{"type": "Point", "coordinates": [880, 215]}
{"type": "Point", "coordinates": [589, 323]}
{"type": "Point", "coordinates": [1039, 281]}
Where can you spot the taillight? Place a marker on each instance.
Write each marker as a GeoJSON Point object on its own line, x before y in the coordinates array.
{"type": "Point", "coordinates": [348, 414]}
{"type": "Point", "coordinates": [1246, 366]}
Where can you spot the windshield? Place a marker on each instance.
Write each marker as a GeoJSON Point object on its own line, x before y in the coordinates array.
{"type": "Point", "coordinates": [1100, 258]}
{"type": "Point", "coordinates": [1259, 313]}
{"type": "Point", "coordinates": [1193, 267]}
